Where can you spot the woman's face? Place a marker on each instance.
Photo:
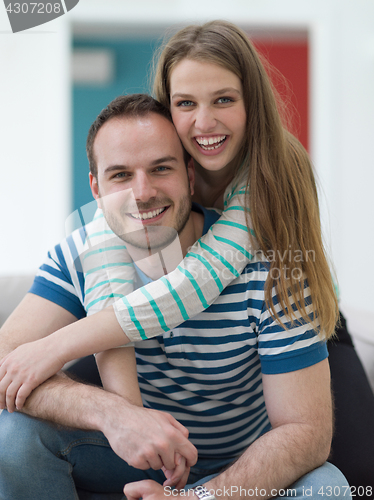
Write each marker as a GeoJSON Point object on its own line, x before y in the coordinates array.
{"type": "Point", "coordinates": [207, 106]}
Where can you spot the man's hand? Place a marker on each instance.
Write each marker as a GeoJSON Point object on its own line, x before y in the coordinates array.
{"type": "Point", "coordinates": [147, 438]}
{"type": "Point", "coordinates": [23, 370]}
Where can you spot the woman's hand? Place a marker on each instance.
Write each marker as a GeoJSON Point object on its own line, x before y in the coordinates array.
{"type": "Point", "coordinates": [177, 478]}
{"type": "Point", "coordinates": [150, 490]}
{"type": "Point", "coordinates": [22, 370]}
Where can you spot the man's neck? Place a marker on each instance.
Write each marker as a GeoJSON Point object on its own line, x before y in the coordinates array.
{"type": "Point", "coordinates": [161, 262]}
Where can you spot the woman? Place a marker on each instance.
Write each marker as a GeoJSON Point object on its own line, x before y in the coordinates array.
{"type": "Point", "coordinates": [267, 169]}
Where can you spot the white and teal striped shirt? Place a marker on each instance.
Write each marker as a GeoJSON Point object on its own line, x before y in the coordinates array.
{"type": "Point", "coordinates": [216, 259]}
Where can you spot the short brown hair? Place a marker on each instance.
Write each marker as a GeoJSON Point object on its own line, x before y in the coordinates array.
{"type": "Point", "coordinates": [126, 106]}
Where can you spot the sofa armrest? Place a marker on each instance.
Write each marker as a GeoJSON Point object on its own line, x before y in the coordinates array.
{"type": "Point", "coordinates": [361, 328]}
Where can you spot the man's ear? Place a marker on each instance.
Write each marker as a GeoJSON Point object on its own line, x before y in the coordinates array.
{"type": "Point", "coordinates": [95, 189]}
{"type": "Point", "coordinates": [191, 175]}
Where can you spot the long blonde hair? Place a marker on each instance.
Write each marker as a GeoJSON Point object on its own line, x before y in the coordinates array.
{"type": "Point", "coordinates": [281, 191]}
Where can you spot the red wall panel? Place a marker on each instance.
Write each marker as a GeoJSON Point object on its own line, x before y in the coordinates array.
{"type": "Point", "coordinates": [290, 57]}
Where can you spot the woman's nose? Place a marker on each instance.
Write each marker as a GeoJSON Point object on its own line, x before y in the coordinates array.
{"type": "Point", "coordinates": [204, 119]}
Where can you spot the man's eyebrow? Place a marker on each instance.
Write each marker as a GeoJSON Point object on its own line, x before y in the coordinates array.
{"type": "Point", "coordinates": [163, 159]}
{"type": "Point", "coordinates": [157, 161]}
{"type": "Point", "coordinates": [115, 168]}
{"type": "Point", "coordinates": [216, 92]}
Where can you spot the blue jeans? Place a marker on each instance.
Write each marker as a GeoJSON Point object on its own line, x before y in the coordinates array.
{"type": "Point", "coordinates": [39, 460]}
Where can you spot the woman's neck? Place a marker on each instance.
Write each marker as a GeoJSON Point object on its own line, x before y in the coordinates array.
{"type": "Point", "coordinates": [210, 186]}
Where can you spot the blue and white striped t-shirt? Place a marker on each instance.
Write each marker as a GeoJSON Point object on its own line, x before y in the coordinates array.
{"type": "Point", "coordinates": [208, 371]}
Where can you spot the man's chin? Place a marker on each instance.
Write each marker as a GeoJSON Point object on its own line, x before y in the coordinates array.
{"type": "Point", "coordinates": [152, 238]}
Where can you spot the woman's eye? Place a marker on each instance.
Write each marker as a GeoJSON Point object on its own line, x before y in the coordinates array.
{"type": "Point", "coordinates": [185, 103]}
{"type": "Point", "coordinates": [224, 100]}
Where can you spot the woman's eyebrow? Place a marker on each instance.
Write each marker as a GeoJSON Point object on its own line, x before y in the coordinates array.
{"type": "Point", "coordinates": [225, 90]}
{"type": "Point", "coordinates": [179, 94]}
{"type": "Point", "coordinates": [216, 92]}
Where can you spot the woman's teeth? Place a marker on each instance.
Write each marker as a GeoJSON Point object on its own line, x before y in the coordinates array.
{"type": "Point", "coordinates": [210, 143]}
{"type": "Point", "coordinates": [148, 215]}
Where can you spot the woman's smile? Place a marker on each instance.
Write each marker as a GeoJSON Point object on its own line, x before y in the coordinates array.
{"type": "Point", "coordinates": [212, 143]}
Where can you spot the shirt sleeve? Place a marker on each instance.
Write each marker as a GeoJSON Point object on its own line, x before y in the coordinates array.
{"type": "Point", "coordinates": [289, 346]}
{"type": "Point", "coordinates": [107, 266]}
{"type": "Point", "coordinates": [211, 264]}
{"type": "Point", "coordinates": [59, 278]}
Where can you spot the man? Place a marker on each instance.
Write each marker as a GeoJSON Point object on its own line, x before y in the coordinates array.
{"type": "Point", "coordinates": [269, 421]}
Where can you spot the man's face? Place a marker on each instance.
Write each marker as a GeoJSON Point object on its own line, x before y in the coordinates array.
{"type": "Point", "coordinates": [142, 182]}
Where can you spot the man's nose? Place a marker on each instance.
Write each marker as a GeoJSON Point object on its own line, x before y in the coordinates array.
{"type": "Point", "coordinates": [205, 120]}
{"type": "Point", "coordinates": [143, 187]}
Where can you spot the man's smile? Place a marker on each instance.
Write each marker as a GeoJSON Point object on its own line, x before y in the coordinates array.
{"type": "Point", "coordinates": [148, 214]}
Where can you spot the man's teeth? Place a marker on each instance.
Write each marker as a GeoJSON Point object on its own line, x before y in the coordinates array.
{"type": "Point", "coordinates": [210, 143]}
{"type": "Point", "coordinates": [148, 215]}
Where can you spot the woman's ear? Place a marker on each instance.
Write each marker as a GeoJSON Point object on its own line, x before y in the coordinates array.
{"type": "Point", "coordinates": [94, 185]}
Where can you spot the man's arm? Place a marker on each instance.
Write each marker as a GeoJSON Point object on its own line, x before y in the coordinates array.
{"type": "Point", "coordinates": [143, 437]}
{"type": "Point", "coordinates": [300, 412]}
{"type": "Point", "coordinates": [33, 319]}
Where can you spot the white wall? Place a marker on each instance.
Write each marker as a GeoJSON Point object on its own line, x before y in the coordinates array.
{"type": "Point", "coordinates": [352, 138]}
{"type": "Point", "coordinates": [342, 115]}
{"type": "Point", "coordinates": [35, 142]}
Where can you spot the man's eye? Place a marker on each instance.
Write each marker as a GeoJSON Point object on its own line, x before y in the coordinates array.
{"type": "Point", "coordinates": [121, 175]}
{"type": "Point", "coordinates": [161, 169]}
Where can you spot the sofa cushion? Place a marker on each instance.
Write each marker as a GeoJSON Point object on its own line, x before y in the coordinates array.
{"type": "Point", "coordinates": [12, 291]}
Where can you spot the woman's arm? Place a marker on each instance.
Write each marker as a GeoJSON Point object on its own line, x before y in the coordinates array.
{"type": "Point", "coordinates": [32, 363]}
{"type": "Point", "coordinates": [212, 263]}
{"type": "Point", "coordinates": [107, 266]}
{"type": "Point", "coordinates": [117, 368]}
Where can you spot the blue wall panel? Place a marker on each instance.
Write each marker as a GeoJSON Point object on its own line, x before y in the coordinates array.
{"type": "Point", "coordinates": [132, 64]}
